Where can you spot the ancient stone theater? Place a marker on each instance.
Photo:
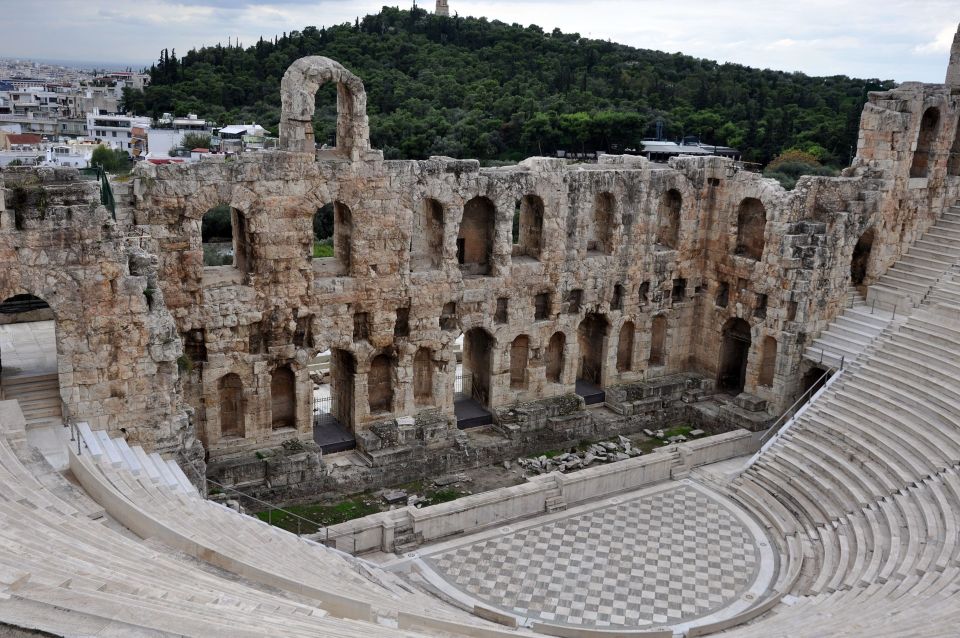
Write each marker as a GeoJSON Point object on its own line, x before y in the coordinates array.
{"type": "Point", "coordinates": [159, 382]}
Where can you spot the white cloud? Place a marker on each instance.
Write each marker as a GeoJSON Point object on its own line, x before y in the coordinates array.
{"type": "Point", "coordinates": [940, 44]}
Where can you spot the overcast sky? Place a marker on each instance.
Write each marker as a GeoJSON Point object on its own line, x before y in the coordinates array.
{"type": "Point", "coordinates": [889, 39]}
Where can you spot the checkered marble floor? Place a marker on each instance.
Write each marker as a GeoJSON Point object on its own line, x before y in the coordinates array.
{"type": "Point", "coordinates": [660, 559]}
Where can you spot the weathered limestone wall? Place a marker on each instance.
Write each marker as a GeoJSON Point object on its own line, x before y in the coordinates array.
{"type": "Point", "coordinates": [117, 346]}
{"type": "Point", "coordinates": [612, 256]}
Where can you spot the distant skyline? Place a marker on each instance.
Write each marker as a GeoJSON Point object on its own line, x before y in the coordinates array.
{"type": "Point", "coordinates": [887, 39]}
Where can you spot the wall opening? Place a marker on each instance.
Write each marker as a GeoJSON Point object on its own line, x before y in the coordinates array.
{"type": "Point", "coordinates": [751, 223]}
{"type": "Point", "coordinates": [953, 163]}
{"type": "Point", "coordinates": [590, 337]}
{"type": "Point", "coordinates": [616, 301]}
{"type": "Point", "coordinates": [574, 301]}
{"type": "Point", "coordinates": [600, 229]}
{"type": "Point", "coordinates": [426, 242]}
{"type": "Point", "coordinates": [679, 291]}
{"type": "Point", "coordinates": [668, 219]}
{"type": "Point", "coordinates": [625, 348]}
{"type": "Point", "coordinates": [217, 236]}
{"type": "Point", "coordinates": [541, 306]}
{"type": "Point", "coordinates": [232, 421]}
{"type": "Point", "coordinates": [283, 398]}
{"type": "Point", "coordinates": [643, 294]}
{"type": "Point", "coordinates": [554, 357]}
{"type": "Point", "coordinates": [332, 229]}
{"type": "Point", "coordinates": [861, 258]}
{"type": "Point", "coordinates": [475, 239]}
{"type": "Point", "coordinates": [760, 310]}
{"type": "Point", "coordinates": [361, 326]}
{"type": "Point", "coordinates": [380, 384]}
{"type": "Point", "coordinates": [28, 359]}
{"type": "Point", "coordinates": [478, 347]}
{"type": "Point", "coordinates": [926, 140]}
{"type": "Point", "coordinates": [423, 377]}
{"type": "Point", "coordinates": [723, 295]}
{"type": "Point", "coordinates": [768, 362]}
{"type": "Point", "coordinates": [519, 355]}
{"type": "Point", "coordinates": [734, 350]}
{"type": "Point", "coordinates": [448, 316]}
{"type": "Point", "coordinates": [343, 371]}
{"type": "Point", "coordinates": [502, 313]}
{"type": "Point", "coordinates": [528, 222]}
{"type": "Point", "coordinates": [401, 327]}
{"type": "Point", "coordinates": [658, 342]}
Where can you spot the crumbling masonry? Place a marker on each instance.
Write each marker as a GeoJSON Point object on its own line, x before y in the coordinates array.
{"type": "Point", "coordinates": [660, 284]}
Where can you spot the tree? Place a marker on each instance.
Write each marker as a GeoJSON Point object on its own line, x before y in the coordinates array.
{"type": "Point", "coordinates": [196, 140]}
{"type": "Point", "coordinates": [110, 160]}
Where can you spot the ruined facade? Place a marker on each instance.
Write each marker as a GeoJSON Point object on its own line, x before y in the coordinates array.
{"type": "Point", "coordinates": [625, 274]}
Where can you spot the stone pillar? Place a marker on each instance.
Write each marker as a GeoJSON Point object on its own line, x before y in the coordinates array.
{"type": "Point", "coordinates": [953, 69]}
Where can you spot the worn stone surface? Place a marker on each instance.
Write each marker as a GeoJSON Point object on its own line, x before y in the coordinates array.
{"type": "Point", "coordinates": [626, 273]}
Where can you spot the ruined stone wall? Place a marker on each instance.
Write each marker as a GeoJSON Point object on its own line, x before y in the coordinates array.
{"type": "Point", "coordinates": [693, 246]}
{"type": "Point", "coordinates": [117, 346]}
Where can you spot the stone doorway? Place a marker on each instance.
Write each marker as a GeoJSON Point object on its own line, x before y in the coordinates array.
{"type": "Point", "coordinates": [734, 350]}
{"type": "Point", "coordinates": [28, 359]}
{"type": "Point", "coordinates": [477, 361]}
{"type": "Point", "coordinates": [861, 258]}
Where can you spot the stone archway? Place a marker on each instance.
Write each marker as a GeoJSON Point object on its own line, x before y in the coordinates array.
{"type": "Point", "coordinates": [298, 90]}
{"type": "Point", "coordinates": [734, 350]}
{"type": "Point", "coordinates": [28, 359]}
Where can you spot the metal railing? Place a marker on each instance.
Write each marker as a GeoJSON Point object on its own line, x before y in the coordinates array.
{"type": "Point", "coordinates": [106, 192]}
{"type": "Point", "coordinates": [822, 382]}
{"type": "Point", "coordinates": [271, 508]}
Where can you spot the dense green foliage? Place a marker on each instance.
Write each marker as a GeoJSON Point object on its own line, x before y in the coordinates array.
{"type": "Point", "coordinates": [793, 163]}
{"type": "Point", "coordinates": [469, 87]}
{"type": "Point", "coordinates": [195, 140]}
{"type": "Point", "coordinates": [111, 160]}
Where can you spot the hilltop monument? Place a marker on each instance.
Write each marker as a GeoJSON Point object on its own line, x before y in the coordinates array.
{"type": "Point", "coordinates": [443, 9]}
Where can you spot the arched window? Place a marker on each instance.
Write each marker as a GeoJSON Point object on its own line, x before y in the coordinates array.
{"type": "Point", "coordinates": [668, 219]}
{"type": "Point", "coordinates": [475, 239]}
{"type": "Point", "coordinates": [600, 229]}
{"type": "Point", "coordinates": [230, 389]}
{"type": "Point", "coordinates": [298, 91]}
{"type": "Point", "coordinates": [554, 358]}
{"type": "Point", "coordinates": [768, 362]}
{"type": "Point", "coordinates": [283, 398]}
{"type": "Point", "coordinates": [426, 241]}
{"type": "Point", "coordinates": [751, 224]}
{"type": "Point", "coordinates": [519, 354]}
{"type": "Point", "coordinates": [223, 233]}
{"type": "Point", "coordinates": [658, 341]}
{"type": "Point", "coordinates": [926, 141]}
{"type": "Point", "coordinates": [528, 237]}
{"type": "Point", "coordinates": [625, 348]}
{"type": "Point", "coordinates": [380, 384]}
{"type": "Point", "coordinates": [423, 377]}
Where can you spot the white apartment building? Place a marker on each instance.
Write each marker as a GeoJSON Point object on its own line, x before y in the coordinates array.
{"type": "Point", "coordinates": [118, 131]}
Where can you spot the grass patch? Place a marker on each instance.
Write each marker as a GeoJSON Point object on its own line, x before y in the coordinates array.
{"type": "Point", "coordinates": [444, 495]}
{"type": "Point", "coordinates": [322, 248]}
{"type": "Point", "coordinates": [323, 514]}
{"type": "Point", "coordinates": [680, 430]}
